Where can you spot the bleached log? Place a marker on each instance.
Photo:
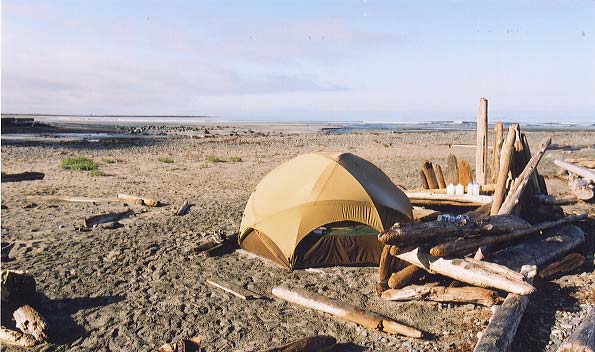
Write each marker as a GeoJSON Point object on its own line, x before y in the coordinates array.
{"type": "Point", "coordinates": [465, 246]}
{"type": "Point", "coordinates": [534, 175]}
{"type": "Point", "coordinates": [475, 295]}
{"type": "Point", "coordinates": [471, 271]}
{"type": "Point", "coordinates": [440, 176]}
{"type": "Point", "coordinates": [521, 182]}
{"type": "Point", "coordinates": [423, 180]}
{"type": "Point", "coordinates": [583, 337]}
{"type": "Point", "coordinates": [405, 276]}
{"type": "Point", "coordinates": [183, 209]}
{"type": "Point", "coordinates": [103, 218]}
{"type": "Point", "coordinates": [400, 234]}
{"type": "Point", "coordinates": [320, 343]}
{"type": "Point", "coordinates": [452, 170]}
{"type": "Point", "coordinates": [580, 187]}
{"type": "Point", "coordinates": [542, 249]}
{"type": "Point", "coordinates": [570, 263]}
{"type": "Point", "coordinates": [29, 321]}
{"type": "Point", "coordinates": [583, 172]}
{"type": "Point", "coordinates": [588, 163]}
{"type": "Point", "coordinates": [498, 140]}
{"type": "Point", "coordinates": [503, 325]}
{"type": "Point", "coordinates": [75, 199]}
{"type": "Point", "coordinates": [150, 202]}
{"type": "Point", "coordinates": [345, 311]}
{"type": "Point", "coordinates": [462, 199]}
{"type": "Point", "coordinates": [15, 338]}
{"type": "Point", "coordinates": [505, 159]}
{"type": "Point", "coordinates": [233, 289]}
{"type": "Point", "coordinates": [481, 152]}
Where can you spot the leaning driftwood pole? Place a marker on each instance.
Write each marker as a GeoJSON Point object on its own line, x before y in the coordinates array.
{"type": "Point", "coordinates": [428, 170]}
{"type": "Point", "coordinates": [583, 338]}
{"type": "Point", "coordinates": [320, 343]}
{"type": "Point", "coordinates": [440, 176]}
{"type": "Point", "coordinates": [521, 182]}
{"type": "Point", "coordinates": [423, 180]}
{"type": "Point", "coordinates": [471, 271]}
{"type": "Point", "coordinates": [502, 327]}
{"type": "Point", "coordinates": [481, 153]}
{"type": "Point", "coordinates": [418, 232]}
{"type": "Point", "coordinates": [505, 157]}
{"type": "Point", "coordinates": [576, 169]}
{"type": "Point", "coordinates": [16, 338]}
{"type": "Point", "coordinates": [30, 322]}
{"type": "Point", "coordinates": [498, 134]}
{"type": "Point", "coordinates": [475, 295]}
{"type": "Point", "coordinates": [183, 209]}
{"type": "Point", "coordinates": [465, 246]}
{"type": "Point", "coordinates": [345, 311]}
{"type": "Point", "coordinates": [384, 269]}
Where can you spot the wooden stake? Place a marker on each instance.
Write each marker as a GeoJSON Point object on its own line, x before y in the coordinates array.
{"type": "Point", "coordinates": [29, 321]}
{"type": "Point", "coordinates": [233, 289]}
{"type": "Point", "coordinates": [320, 343]}
{"type": "Point", "coordinates": [498, 140]}
{"type": "Point", "coordinates": [535, 175]}
{"type": "Point", "coordinates": [471, 271]}
{"type": "Point", "coordinates": [384, 270]}
{"type": "Point", "coordinates": [481, 153]}
{"type": "Point", "coordinates": [505, 157]}
{"type": "Point", "coordinates": [502, 327]}
{"type": "Point", "coordinates": [423, 180]}
{"type": "Point", "coordinates": [521, 182]}
{"type": "Point", "coordinates": [465, 174]}
{"type": "Point", "coordinates": [16, 338]}
{"type": "Point", "coordinates": [345, 311]}
{"type": "Point", "coordinates": [405, 276]}
{"type": "Point", "coordinates": [428, 171]}
{"type": "Point", "coordinates": [583, 338]}
{"type": "Point", "coordinates": [570, 263]}
{"type": "Point", "coordinates": [475, 295]}
{"type": "Point", "coordinates": [452, 170]}
{"type": "Point", "coordinates": [440, 176]}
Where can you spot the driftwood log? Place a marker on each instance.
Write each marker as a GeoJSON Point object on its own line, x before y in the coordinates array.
{"type": "Point", "coordinates": [570, 263]}
{"type": "Point", "coordinates": [495, 166]}
{"type": "Point", "coordinates": [465, 174]}
{"type": "Point", "coordinates": [540, 250]}
{"type": "Point", "coordinates": [234, 289]}
{"type": "Point", "coordinates": [418, 232]}
{"type": "Point", "coordinates": [384, 269]}
{"type": "Point", "coordinates": [581, 188]}
{"type": "Point", "coordinates": [30, 322]}
{"type": "Point", "coordinates": [405, 276]}
{"type": "Point", "coordinates": [15, 338]}
{"type": "Point", "coordinates": [481, 152]}
{"type": "Point", "coordinates": [465, 246]}
{"type": "Point", "coordinates": [502, 327]}
{"type": "Point", "coordinates": [452, 170]}
{"type": "Point", "coordinates": [583, 172]}
{"type": "Point", "coordinates": [345, 311]}
{"type": "Point", "coordinates": [440, 176]}
{"type": "Point", "coordinates": [589, 163]}
{"type": "Point", "coordinates": [505, 159]}
{"type": "Point", "coordinates": [320, 343]}
{"type": "Point", "coordinates": [104, 218]}
{"type": "Point", "coordinates": [434, 198]}
{"type": "Point", "coordinates": [520, 183]}
{"type": "Point", "coordinates": [75, 199]}
{"type": "Point", "coordinates": [183, 209]}
{"type": "Point", "coordinates": [551, 200]}
{"type": "Point", "coordinates": [471, 271]}
{"type": "Point", "coordinates": [583, 338]}
{"type": "Point", "coordinates": [428, 169]}
{"type": "Point", "coordinates": [423, 180]}
{"type": "Point", "coordinates": [150, 202]}
{"type": "Point", "coordinates": [23, 176]}
{"type": "Point", "coordinates": [475, 295]}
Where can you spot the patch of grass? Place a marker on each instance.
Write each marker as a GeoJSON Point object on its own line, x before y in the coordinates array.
{"type": "Point", "coordinates": [166, 159]}
{"type": "Point", "coordinates": [108, 161]}
{"type": "Point", "coordinates": [79, 163]}
{"type": "Point", "coordinates": [215, 159]}
{"type": "Point", "coordinates": [235, 159]}
{"type": "Point", "coordinates": [203, 165]}
{"type": "Point", "coordinates": [94, 173]}
{"type": "Point", "coordinates": [386, 145]}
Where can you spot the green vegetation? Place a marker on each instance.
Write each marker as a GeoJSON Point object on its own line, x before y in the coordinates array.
{"type": "Point", "coordinates": [203, 165]}
{"type": "Point", "coordinates": [167, 160]}
{"type": "Point", "coordinates": [386, 145]}
{"type": "Point", "coordinates": [79, 163]}
{"type": "Point", "coordinates": [235, 159]}
{"type": "Point", "coordinates": [109, 161]}
{"type": "Point", "coordinates": [216, 159]}
{"type": "Point", "coordinates": [94, 173]}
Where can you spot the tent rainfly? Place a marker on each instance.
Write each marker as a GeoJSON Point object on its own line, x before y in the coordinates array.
{"type": "Point", "coordinates": [313, 190]}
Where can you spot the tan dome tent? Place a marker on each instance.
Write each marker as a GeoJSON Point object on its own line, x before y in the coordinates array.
{"type": "Point", "coordinates": [313, 190]}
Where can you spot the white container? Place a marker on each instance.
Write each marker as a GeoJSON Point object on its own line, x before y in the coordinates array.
{"type": "Point", "coordinates": [450, 189]}
{"type": "Point", "coordinates": [470, 189]}
{"type": "Point", "coordinates": [476, 189]}
{"type": "Point", "coordinates": [460, 189]}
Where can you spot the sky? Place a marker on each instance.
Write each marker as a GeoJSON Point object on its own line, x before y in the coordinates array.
{"type": "Point", "coordinates": [301, 60]}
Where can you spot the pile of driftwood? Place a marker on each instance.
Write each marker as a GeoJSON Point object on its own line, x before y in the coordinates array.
{"type": "Point", "coordinates": [19, 296]}
{"type": "Point", "coordinates": [493, 248]}
{"type": "Point", "coordinates": [581, 177]}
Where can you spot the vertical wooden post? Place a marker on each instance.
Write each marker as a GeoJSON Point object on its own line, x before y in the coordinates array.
{"type": "Point", "coordinates": [505, 157]}
{"type": "Point", "coordinates": [440, 176]}
{"type": "Point", "coordinates": [498, 140]}
{"type": "Point", "coordinates": [481, 153]}
{"type": "Point", "coordinates": [428, 170]}
{"type": "Point", "coordinates": [452, 170]}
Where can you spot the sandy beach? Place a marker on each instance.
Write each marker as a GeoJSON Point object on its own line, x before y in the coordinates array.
{"type": "Point", "coordinates": [141, 285]}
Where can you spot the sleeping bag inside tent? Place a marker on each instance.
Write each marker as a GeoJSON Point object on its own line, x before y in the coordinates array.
{"type": "Point", "coordinates": [322, 209]}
